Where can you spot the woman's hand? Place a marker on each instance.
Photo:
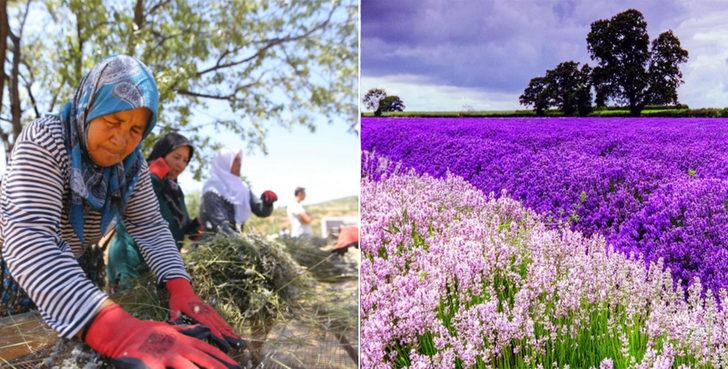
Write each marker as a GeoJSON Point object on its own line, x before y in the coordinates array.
{"type": "Point", "coordinates": [195, 229]}
{"type": "Point", "coordinates": [145, 344]}
{"type": "Point", "coordinates": [182, 300]}
{"type": "Point", "coordinates": [159, 168]}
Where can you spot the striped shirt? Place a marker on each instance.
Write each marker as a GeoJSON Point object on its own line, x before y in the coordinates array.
{"type": "Point", "coordinates": [39, 244]}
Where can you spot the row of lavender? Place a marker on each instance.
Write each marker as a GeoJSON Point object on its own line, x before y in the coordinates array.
{"type": "Point", "coordinates": [453, 278]}
{"type": "Point", "coordinates": [657, 187]}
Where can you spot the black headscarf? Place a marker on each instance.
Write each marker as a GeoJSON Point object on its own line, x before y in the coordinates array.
{"type": "Point", "coordinates": [170, 189]}
{"type": "Point", "coordinates": [169, 143]}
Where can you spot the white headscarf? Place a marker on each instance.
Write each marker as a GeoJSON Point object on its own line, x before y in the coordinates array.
{"type": "Point", "coordinates": [228, 185]}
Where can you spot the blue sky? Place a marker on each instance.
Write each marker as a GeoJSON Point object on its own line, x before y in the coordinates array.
{"type": "Point", "coordinates": [325, 162]}
{"type": "Point", "coordinates": [451, 55]}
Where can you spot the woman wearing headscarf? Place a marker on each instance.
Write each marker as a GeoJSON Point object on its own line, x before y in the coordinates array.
{"type": "Point", "coordinates": [227, 202]}
{"type": "Point", "coordinates": [70, 178]}
{"type": "Point", "coordinates": [168, 159]}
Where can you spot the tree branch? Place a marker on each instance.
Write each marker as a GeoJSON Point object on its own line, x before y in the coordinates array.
{"type": "Point", "coordinates": [155, 7]}
{"type": "Point", "coordinates": [205, 95]}
{"type": "Point", "coordinates": [229, 97]}
{"type": "Point", "coordinates": [15, 110]}
{"type": "Point", "coordinates": [139, 14]}
{"type": "Point", "coordinates": [54, 99]}
{"type": "Point", "coordinates": [269, 43]}
{"type": "Point", "coordinates": [28, 88]}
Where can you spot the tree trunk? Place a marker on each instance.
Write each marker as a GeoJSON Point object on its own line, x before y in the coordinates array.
{"type": "Point", "coordinates": [15, 110]}
{"type": "Point", "coordinates": [78, 62]}
{"type": "Point", "coordinates": [634, 109]}
{"type": "Point", "coordinates": [634, 106]}
{"type": "Point", "coordinates": [138, 24]}
{"type": "Point", "coordinates": [4, 32]}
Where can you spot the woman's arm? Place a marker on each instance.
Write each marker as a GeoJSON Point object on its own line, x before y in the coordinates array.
{"type": "Point", "coordinates": [260, 207]}
{"type": "Point", "coordinates": [151, 232]}
{"type": "Point", "coordinates": [31, 208]}
{"type": "Point", "coordinates": [214, 210]}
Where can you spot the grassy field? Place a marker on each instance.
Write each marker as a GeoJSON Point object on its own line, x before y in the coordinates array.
{"type": "Point", "coordinates": [606, 112]}
{"type": "Point", "coordinates": [347, 206]}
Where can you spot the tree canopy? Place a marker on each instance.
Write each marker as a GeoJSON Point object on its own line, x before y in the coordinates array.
{"type": "Point", "coordinates": [390, 103]}
{"type": "Point", "coordinates": [628, 70]}
{"type": "Point", "coordinates": [221, 66]}
{"type": "Point", "coordinates": [566, 87]}
{"type": "Point", "coordinates": [373, 97]}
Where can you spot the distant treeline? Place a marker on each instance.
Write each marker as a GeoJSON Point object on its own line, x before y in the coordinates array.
{"type": "Point", "coordinates": [612, 111]}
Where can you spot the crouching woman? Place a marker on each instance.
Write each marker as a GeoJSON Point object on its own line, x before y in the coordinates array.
{"type": "Point", "coordinates": [70, 178]}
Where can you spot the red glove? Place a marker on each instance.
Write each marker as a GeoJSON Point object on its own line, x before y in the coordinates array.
{"type": "Point", "coordinates": [159, 168]}
{"type": "Point", "coordinates": [182, 300]}
{"type": "Point", "coordinates": [269, 197]}
{"type": "Point", "coordinates": [134, 343]}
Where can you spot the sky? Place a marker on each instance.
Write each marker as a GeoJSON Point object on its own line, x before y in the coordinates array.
{"type": "Point", "coordinates": [461, 55]}
{"type": "Point", "coordinates": [326, 163]}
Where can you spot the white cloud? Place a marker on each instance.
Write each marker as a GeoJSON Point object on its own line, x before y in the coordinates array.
{"type": "Point", "coordinates": [419, 94]}
{"type": "Point", "coordinates": [705, 35]}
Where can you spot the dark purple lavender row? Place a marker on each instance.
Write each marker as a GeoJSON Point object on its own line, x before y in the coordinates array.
{"type": "Point", "coordinates": [654, 186]}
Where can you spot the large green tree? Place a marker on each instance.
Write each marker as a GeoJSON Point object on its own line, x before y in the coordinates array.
{"type": "Point", "coordinates": [221, 66]}
{"type": "Point", "coordinates": [566, 87]}
{"type": "Point", "coordinates": [664, 74]}
{"type": "Point", "coordinates": [390, 103]}
{"type": "Point", "coordinates": [628, 70]}
{"type": "Point", "coordinates": [537, 95]}
{"type": "Point", "coordinates": [570, 87]}
{"type": "Point", "coordinates": [373, 98]}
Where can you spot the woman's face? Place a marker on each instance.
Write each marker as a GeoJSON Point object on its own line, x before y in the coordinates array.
{"type": "Point", "coordinates": [235, 168]}
{"type": "Point", "coordinates": [177, 161]}
{"type": "Point", "coordinates": [112, 137]}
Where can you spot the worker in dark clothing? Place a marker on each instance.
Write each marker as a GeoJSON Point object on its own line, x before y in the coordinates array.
{"type": "Point", "coordinates": [227, 202]}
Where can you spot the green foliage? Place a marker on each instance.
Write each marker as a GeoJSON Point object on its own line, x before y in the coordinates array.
{"type": "Point", "coordinates": [664, 74]}
{"type": "Point", "coordinates": [536, 94]}
{"type": "Point", "coordinates": [236, 66]}
{"type": "Point", "coordinates": [373, 97]}
{"type": "Point", "coordinates": [628, 69]}
{"type": "Point", "coordinates": [193, 200]}
{"type": "Point", "coordinates": [390, 103]}
{"type": "Point", "coordinates": [565, 87]}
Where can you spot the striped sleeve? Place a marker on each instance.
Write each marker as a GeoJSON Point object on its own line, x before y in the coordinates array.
{"type": "Point", "coordinates": [151, 232]}
{"type": "Point", "coordinates": [32, 247]}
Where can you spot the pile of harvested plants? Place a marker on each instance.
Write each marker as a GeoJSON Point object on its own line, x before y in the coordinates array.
{"type": "Point", "coordinates": [254, 283]}
{"type": "Point", "coordinates": [320, 263]}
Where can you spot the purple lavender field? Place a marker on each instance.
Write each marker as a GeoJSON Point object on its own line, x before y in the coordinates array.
{"type": "Point", "coordinates": [654, 187]}
{"type": "Point", "coordinates": [544, 243]}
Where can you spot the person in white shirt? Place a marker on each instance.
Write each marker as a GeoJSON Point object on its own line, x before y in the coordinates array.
{"type": "Point", "coordinates": [300, 221]}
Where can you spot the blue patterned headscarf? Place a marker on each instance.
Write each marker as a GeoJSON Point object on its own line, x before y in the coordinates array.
{"type": "Point", "coordinates": [116, 84]}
